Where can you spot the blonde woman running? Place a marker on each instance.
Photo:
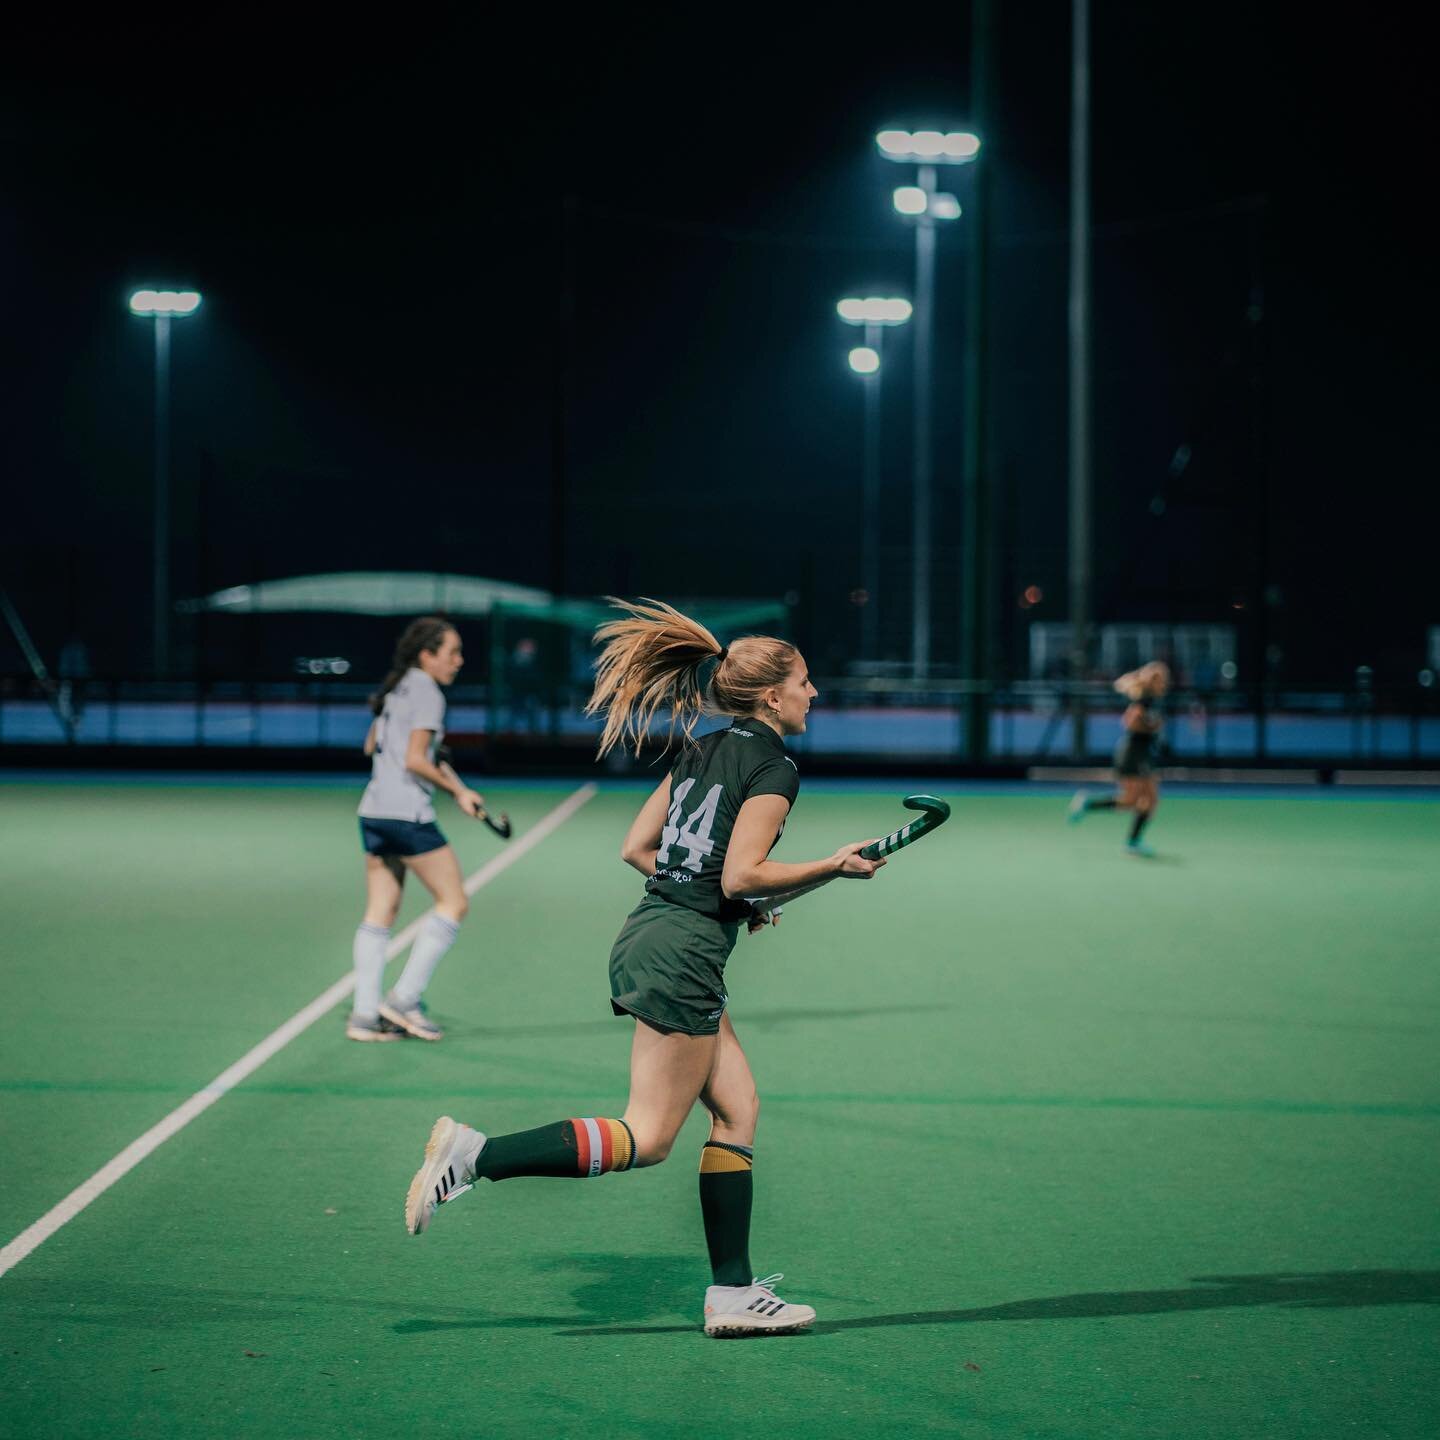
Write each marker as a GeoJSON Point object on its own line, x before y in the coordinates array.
{"type": "Point", "coordinates": [702, 841]}
{"type": "Point", "coordinates": [1139, 786]}
{"type": "Point", "coordinates": [399, 833]}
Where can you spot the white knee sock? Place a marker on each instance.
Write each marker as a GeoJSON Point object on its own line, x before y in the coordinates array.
{"type": "Point", "coordinates": [369, 953]}
{"type": "Point", "coordinates": [436, 936]}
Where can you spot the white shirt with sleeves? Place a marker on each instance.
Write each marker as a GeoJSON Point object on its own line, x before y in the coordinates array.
{"type": "Point", "coordinates": [394, 793]}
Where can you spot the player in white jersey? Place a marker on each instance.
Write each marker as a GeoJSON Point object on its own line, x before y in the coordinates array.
{"type": "Point", "coordinates": [399, 833]}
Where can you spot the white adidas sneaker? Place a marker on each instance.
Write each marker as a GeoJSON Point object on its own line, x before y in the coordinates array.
{"type": "Point", "coordinates": [735, 1310]}
{"type": "Point", "coordinates": [448, 1171]}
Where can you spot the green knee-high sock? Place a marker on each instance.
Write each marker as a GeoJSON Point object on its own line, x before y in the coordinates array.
{"type": "Point", "coordinates": [726, 1189]}
{"type": "Point", "coordinates": [581, 1148]}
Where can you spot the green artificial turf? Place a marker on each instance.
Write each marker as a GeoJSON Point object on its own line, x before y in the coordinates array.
{"type": "Point", "coordinates": [1058, 1142]}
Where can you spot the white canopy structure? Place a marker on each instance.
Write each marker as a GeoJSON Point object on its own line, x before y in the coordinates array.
{"type": "Point", "coordinates": [400, 592]}
{"type": "Point", "coordinates": [373, 592]}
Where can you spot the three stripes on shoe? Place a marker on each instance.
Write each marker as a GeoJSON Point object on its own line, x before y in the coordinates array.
{"type": "Point", "coordinates": [766, 1305]}
{"type": "Point", "coordinates": [447, 1189]}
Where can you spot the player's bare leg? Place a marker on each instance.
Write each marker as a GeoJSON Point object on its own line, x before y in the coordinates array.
{"type": "Point", "coordinates": [667, 1074]}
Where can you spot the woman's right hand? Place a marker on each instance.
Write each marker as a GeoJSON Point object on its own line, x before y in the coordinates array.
{"type": "Point", "coordinates": [850, 864]}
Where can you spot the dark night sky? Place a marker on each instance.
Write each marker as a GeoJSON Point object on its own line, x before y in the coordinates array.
{"type": "Point", "coordinates": [376, 219]}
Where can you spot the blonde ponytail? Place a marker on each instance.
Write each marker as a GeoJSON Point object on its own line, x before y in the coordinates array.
{"type": "Point", "coordinates": [1136, 684]}
{"type": "Point", "coordinates": [653, 657]}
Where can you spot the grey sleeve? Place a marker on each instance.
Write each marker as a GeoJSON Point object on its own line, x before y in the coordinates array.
{"type": "Point", "coordinates": [427, 706]}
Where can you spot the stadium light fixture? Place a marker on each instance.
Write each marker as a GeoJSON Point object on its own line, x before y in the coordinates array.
{"type": "Point", "coordinates": [864, 360]}
{"type": "Point", "coordinates": [928, 147]}
{"type": "Point", "coordinates": [911, 200]}
{"type": "Point", "coordinates": [874, 310]}
{"type": "Point", "coordinates": [164, 302]}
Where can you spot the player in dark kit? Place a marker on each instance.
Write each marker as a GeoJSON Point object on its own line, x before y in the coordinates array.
{"type": "Point", "coordinates": [1139, 786]}
{"type": "Point", "coordinates": [702, 840]}
{"type": "Point", "coordinates": [706, 789]}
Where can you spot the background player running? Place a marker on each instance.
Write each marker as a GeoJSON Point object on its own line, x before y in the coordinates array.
{"type": "Point", "coordinates": [1139, 786]}
{"type": "Point", "coordinates": [399, 833]}
{"type": "Point", "coordinates": [702, 840]}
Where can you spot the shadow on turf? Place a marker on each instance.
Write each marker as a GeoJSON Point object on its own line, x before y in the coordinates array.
{"type": "Point", "coordinates": [1160, 857]}
{"type": "Point", "coordinates": [630, 1289]}
{"type": "Point", "coordinates": [612, 1287]}
{"type": "Point", "coordinates": [1324, 1290]}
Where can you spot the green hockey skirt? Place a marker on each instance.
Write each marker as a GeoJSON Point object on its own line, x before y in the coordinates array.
{"type": "Point", "coordinates": [667, 967]}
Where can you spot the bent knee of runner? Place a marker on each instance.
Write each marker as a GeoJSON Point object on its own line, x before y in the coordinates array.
{"type": "Point", "coordinates": [652, 1145]}
{"type": "Point", "coordinates": [456, 909]}
{"type": "Point", "coordinates": [734, 1123]}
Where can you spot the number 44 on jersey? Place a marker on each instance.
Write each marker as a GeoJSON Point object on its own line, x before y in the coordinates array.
{"type": "Point", "coordinates": [694, 836]}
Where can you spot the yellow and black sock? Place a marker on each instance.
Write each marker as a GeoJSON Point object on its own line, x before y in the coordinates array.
{"type": "Point", "coordinates": [578, 1148]}
{"type": "Point", "coordinates": [726, 1189]}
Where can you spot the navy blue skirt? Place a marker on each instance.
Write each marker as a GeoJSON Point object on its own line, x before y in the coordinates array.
{"type": "Point", "coordinates": [400, 837]}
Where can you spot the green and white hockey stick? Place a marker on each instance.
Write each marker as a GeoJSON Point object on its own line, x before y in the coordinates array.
{"type": "Point", "coordinates": [933, 814]}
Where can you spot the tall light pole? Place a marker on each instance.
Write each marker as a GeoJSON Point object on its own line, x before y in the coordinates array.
{"type": "Point", "coordinates": [977, 629]}
{"type": "Point", "coordinates": [876, 314]}
{"type": "Point", "coordinates": [1079, 337]}
{"type": "Point", "coordinates": [160, 306]}
{"type": "Point", "coordinates": [926, 150]}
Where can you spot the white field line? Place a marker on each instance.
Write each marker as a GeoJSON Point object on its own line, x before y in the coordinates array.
{"type": "Point", "coordinates": [36, 1235]}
